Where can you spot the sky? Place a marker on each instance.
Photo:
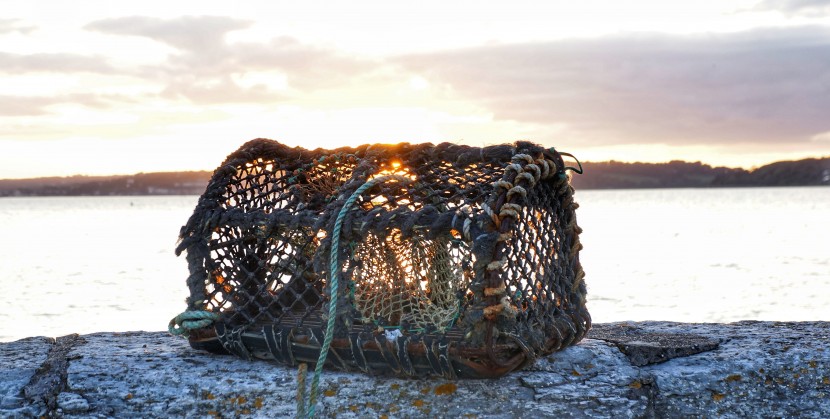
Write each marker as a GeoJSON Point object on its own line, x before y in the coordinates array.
{"type": "Point", "coordinates": [102, 87]}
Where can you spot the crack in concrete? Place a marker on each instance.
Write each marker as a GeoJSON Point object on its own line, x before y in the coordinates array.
{"type": "Point", "coordinates": [650, 389]}
{"type": "Point", "coordinates": [50, 378]}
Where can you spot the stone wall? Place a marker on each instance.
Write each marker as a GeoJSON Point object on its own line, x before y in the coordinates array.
{"type": "Point", "coordinates": [643, 369]}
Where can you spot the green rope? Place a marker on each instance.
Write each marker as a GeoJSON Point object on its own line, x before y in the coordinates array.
{"type": "Point", "coordinates": [334, 269]}
{"type": "Point", "coordinates": [189, 320]}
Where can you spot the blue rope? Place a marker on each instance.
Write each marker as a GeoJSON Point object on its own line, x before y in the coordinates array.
{"type": "Point", "coordinates": [334, 269]}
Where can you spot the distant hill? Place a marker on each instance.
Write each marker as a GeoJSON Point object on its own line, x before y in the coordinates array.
{"type": "Point", "coordinates": [598, 175]}
{"type": "Point", "coordinates": [785, 173]}
{"type": "Point", "coordinates": [679, 174]}
{"type": "Point", "coordinates": [164, 183]}
{"type": "Point", "coordinates": [675, 174]}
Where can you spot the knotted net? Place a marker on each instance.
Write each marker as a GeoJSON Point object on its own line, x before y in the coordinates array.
{"type": "Point", "coordinates": [469, 255]}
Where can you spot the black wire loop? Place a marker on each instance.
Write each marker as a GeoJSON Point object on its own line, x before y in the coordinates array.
{"type": "Point", "coordinates": [575, 159]}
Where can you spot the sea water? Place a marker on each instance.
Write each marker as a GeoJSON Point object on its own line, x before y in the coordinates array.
{"type": "Point", "coordinates": [88, 264]}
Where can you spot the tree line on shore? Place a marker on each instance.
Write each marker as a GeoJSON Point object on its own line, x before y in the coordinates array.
{"type": "Point", "coordinates": [597, 175]}
{"type": "Point", "coordinates": [680, 174]}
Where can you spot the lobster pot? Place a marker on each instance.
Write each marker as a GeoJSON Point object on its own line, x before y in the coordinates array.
{"type": "Point", "coordinates": [445, 260]}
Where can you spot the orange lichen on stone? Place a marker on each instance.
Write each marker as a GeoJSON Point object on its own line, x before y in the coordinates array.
{"type": "Point", "coordinates": [636, 385]}
{"type": "Point", "coordinates": [258, 403]}
{"type": "Point", "coordinates": [444, 389]}
{"type": "Point", "coordinates": [733, 378]}
{"type": "Point", "coordinates": [717, 396]}
{"type": "Point", "coordinates": [418, 403]}
{"type": "Point", "coordinates": [395, 386]}
{"type": "Point", "coordinates": [329, 393]}
{"type": "Point", "coordinates": [425, 390]}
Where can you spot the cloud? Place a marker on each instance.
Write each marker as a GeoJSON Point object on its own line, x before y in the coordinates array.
{"type": "Point", "coordinates": [188, 33]}
{"type": "Point", "coordinates": [761, 86]}
{"type": "Point", "coordinates": [11, 105]}
{"type": "Point", "coordinates": [24, 105]}
{"type": "Point", "coordinates": [807, 8]}
{"type": "Point", "coordinates": [306, 66]}
{"type": "Point", "coordinates": [220, 89]}
{"type": "Point", "coordinates": [14, 25]}
{"type": "Point", "coordinates": [53, 62]}
{"type": "Point", "coordinates": [200, 69]}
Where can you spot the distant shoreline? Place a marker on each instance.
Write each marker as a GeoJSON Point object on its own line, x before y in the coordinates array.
{"type": "Point", "coordinates": [141, 184]}
{"type": "Point", "coordinates": [597, 175]}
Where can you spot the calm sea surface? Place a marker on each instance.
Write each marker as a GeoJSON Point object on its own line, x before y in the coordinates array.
{"type": "Point", "coordinates": [81, 265]}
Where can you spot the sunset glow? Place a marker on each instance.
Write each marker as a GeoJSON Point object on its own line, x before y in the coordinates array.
{"type": "Point", "coordinates": [88, 88]}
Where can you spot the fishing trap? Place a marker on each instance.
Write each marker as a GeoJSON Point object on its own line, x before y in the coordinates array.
{"type": "Point", "coordinates": [407, 259]}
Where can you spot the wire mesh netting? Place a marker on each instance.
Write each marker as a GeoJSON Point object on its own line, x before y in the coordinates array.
{"type": "Point", "coordinates": [453, 260]}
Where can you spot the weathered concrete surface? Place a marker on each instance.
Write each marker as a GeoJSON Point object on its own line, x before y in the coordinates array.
{"type": "Point", "coordinates": [759, 369]}
{"type": "Point", "coordinates": [18, 363]}
{"type": "Point", "coordinates": [643, 346]}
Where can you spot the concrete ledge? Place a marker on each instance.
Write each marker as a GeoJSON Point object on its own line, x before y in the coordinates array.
{"type": "Point", "coordinates": [644, 369]}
